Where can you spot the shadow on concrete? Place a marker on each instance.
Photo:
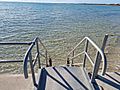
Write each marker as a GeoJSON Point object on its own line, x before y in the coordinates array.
{"type": "Point", "coordinates": [109, 82]}
{"type": "Point", "coordinates": [117, 73]}
{"type": "Point", "coordinates": [44, 75]}
{"type": "Point", "coordinates": [113, 78]}
{"type": "Point", "coordinates": [76, 78]}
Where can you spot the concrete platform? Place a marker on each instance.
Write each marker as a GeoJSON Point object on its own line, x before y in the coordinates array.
{"type": "Point", "coordinates": [15, 82]}
{"type": "Point", "coordinates": [111, 81]}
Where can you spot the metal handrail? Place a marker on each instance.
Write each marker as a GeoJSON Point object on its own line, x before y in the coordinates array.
{"type": "Point", "coordinates": [28, 57]}
{"type": "Point", "coordinates": [26, 60]}
{"type": "Point", "coordinates": [76, 46]}
{"type": "Point", "coordinates": [42, 44]}
{"type": "Point", "coordinates": [46, 52]}
{"type": "Point", "coordinates": [90, 59]}
{"type": "Point", "coordinates": [15, 44]}
{"type": "Point", "coordinates": [100, 52]}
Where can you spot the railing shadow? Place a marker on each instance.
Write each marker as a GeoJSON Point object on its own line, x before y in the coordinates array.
{"type": "Point", "coordinates": [113, 78]}
{"type": "Point", "coordinates": [44, 75]}
{"type": "Point", "coordinates": [109, 82]}
{"type": "Point", "coordinates": [117, 73]}
{"type": "Point", "coordinates": [70, 88]}
{"type": "Point", "coordinates": [43, 78]}
{"type": "Point", "coordinates": [76, 78]}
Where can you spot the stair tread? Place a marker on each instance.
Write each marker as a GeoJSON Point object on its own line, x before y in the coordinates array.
{"type": "Point", "coordinates": [63, 78]}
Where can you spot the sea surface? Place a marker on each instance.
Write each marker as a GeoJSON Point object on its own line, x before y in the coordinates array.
{"type": "Point", "coordinates": [59, 26]}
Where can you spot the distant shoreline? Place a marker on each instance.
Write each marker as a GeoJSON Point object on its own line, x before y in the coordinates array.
{"type": "Point", "coordinates": [105, 4]}
{"type": "Point", "coordinates": [63, 3]}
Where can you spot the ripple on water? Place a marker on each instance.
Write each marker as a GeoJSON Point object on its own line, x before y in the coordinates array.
{"type": "Point", "coordinates": [59, 26]}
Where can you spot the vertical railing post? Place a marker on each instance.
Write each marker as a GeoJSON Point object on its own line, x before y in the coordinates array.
{"type": "Point", "coordinates": [32, 69]}
{"type": "Point", "coordinates": [85, 50]}
{"type": "Point", "coordinates": [98, 60]}
{"type": "Point", "coordinates": [104, 42]}
{"type": "Point", "coordinates": [103, 48]}
{"type": "Point", "coordinates": [72, 59]}
{"type": "Point", "coordinates": [46, 57]}
{"type": "Point", "coordinates": [50, 61]}
{"type": "Point", "coordinates": [96, 67]}
{"type": "Point", "coordinates": [38, 53]}
{"type": "Point", "coordinates": [68, 62]}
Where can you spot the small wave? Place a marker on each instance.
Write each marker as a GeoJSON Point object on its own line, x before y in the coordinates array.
{"type": "Point", "coordinates": [7, 37]}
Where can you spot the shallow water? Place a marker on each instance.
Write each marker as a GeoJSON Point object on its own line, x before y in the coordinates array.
{"type": "Point", "coordinates": [59, 26]}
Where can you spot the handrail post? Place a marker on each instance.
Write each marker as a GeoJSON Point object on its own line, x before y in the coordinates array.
{"type": "Point", "coordinates": [85, 50]}
{"type": "Point", "coordinates": [104, 42]}
{"type": "Point", "coordinates": [72, 59]}
{"type": "Point", "coordinates": [38, 53]}
{"type": "Point", "coordinates": [46, 57]}
{"type": "Point", "coordinates": [96, 67]}
{"type": "Point", "coordinates": [68, 62]}
{"type": "Point", "coordinates": [98, 60]}
{"type": "Point", "coordinates": [50, 62]}
{"type": "Point", "coordinates": [103, 48]}
{"type": "Point", "coordinates": [32, 69]}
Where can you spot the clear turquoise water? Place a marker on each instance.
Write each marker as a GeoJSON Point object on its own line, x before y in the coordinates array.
{"type": "Point", "coordinates": [59, 26]}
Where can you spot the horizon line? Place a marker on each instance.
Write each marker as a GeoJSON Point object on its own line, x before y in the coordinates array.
{"type": "Point", "coordinates": [56, 2]}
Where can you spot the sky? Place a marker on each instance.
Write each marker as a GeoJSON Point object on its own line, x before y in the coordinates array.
{"type": "Point", "coordinates": [67, 1]}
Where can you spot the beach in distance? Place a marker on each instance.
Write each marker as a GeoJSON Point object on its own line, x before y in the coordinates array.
{"type": "Point", "coordinates": [60, 27]}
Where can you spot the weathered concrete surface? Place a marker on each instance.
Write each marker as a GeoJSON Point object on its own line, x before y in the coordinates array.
{"type": "Point", "coordinates": [111, 81]}
{"type": "Point", "coordinates": [63, 78]}
{"type": "Point", "coordinates": [15, 82]}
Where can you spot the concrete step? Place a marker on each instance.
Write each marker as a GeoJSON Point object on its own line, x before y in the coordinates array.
{"type": "Point", "coordinates": [111, 81]}
{"type": "Point", "coordinates": [63, 78]}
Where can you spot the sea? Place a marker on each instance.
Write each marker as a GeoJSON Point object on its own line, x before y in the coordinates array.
{"type": "Point", "coordinates": [59, 26]}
